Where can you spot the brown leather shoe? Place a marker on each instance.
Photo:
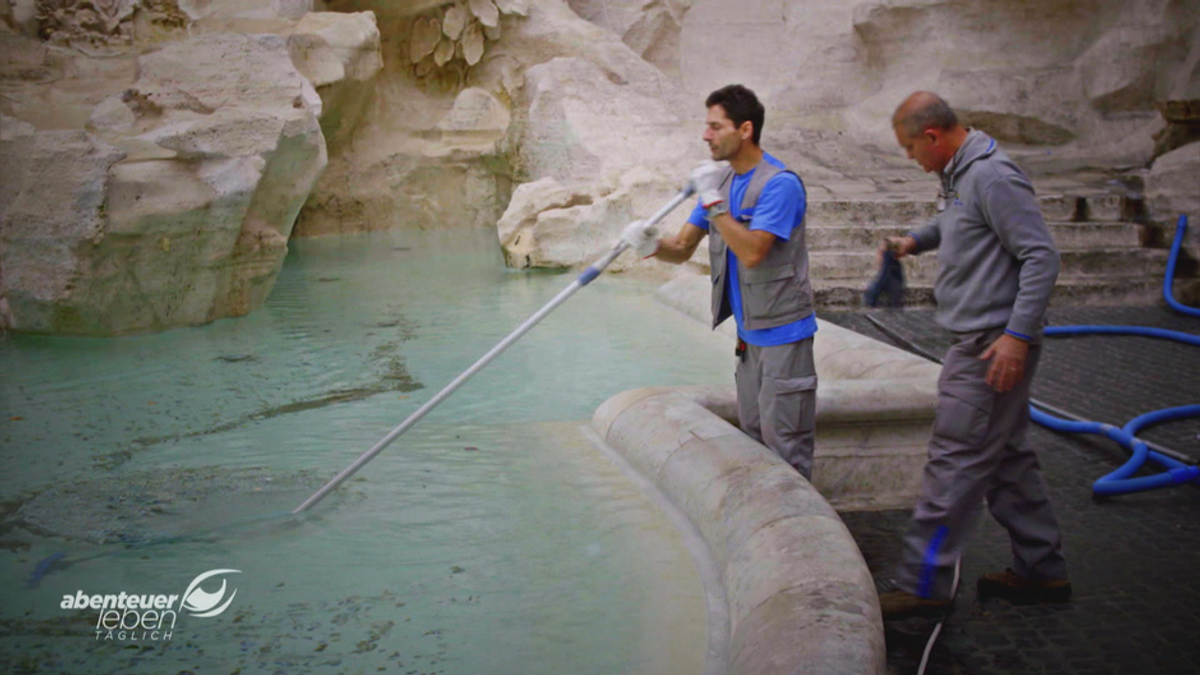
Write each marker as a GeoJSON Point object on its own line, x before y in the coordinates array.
{"type": "Point", "coordinates": [1016, 588]}
{"type": "Point", "coordinates": [897, 604]}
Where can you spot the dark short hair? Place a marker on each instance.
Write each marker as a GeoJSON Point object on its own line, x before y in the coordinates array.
{"type": "Point", "coordinates": [741, 106]}
{"type": "Point", "coordinates": [932, 113]}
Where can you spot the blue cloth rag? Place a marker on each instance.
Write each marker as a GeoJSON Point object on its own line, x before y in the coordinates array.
{"type": "Point", "coordinates": [889, 282]}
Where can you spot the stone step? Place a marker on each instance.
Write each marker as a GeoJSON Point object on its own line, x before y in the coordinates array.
{"type": "Point", "coordinates": [1078, 209]}
{"type": "Point", "coordinates": [1108, 262]}
{"type": "Point", "coordinates": [840, 213]}
{"type": "Point", "coordinates": [1066, 236]}
{"type": "Point", "coordinates": [1069, 291]}
{"type": "Point", "coordinates": [1094, 235]}
{"type": "Point", "coordinates": [912, 213]}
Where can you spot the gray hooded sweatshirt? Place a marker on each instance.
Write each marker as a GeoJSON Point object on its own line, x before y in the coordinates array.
{"type": "Point", "coordinates": [997, 262]}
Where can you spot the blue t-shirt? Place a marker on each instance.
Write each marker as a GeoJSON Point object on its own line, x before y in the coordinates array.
{"type": "Point", "coordinates": [779, 210]}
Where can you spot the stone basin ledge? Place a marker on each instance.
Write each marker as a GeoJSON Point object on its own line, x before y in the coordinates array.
{"type": "Point", "coordinates": [800, 598]}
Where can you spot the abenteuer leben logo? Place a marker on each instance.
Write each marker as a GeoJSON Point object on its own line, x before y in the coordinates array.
{"type": "Point", "coordinates": [131, 617]}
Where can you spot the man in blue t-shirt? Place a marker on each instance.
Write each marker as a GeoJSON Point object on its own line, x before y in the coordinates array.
{"type": "Point", "coordinates": [752, 209]}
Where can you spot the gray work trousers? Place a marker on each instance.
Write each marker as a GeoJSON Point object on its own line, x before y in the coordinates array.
{"type": "Point", "coordinates": [777, 400]}
{"type": "Point", "coordinates": [979, 453]}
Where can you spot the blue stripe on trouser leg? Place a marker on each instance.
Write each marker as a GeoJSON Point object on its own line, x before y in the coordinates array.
{"type": "Point", "coordinates": [929, 565]}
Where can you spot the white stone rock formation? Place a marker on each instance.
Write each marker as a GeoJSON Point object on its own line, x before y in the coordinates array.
{"type": "Point", "coordinates": [592, 109]}
{"type": "Point", "coordinates": [18, 15]}
{"type": "Point", "coordinates": [594, 176]}
{"type": "Point", "coordinates": [415, 160]}
{"type": "Point", "coordinates": [245, 9]}
{"type": "Point", "coordinates": [436, 152]}
{"type": "Point", "coordinates": [602, 141]}
{"type": "Point", "coordinates": [174, 206]}
{"type": "Point", "coordinates": [1173, 185]}
{"type": "Point", "coordinates": [205, 151]}
{"type": "Point", "coordinates": [552, 224]}
{"type": "Point", "coordinates": [651, 29]}
{"type": "Point", "coordinates": [1063, 84]}
{"type": "Point", "coordinates": [340, 56]}
{"type": "Point", "coordinates": [1172, 189]}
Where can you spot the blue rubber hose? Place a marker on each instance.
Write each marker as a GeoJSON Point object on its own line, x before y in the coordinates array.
{"type": "Point", "coordinates": [1152, 418]}
{"type": "Point", "coordinates": [1122, 481]}
{"type": "Point", "coordinates": [1177, 472]}
{"type": "Point", "coordinates": [1142, 331]}
{"type": "Point", "coordinates": [1176, 246]}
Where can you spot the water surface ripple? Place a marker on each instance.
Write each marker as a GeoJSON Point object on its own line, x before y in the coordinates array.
{"type": "Point", "coordinates": [492, 538]}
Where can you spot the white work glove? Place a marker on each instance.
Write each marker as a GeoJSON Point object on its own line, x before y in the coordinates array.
{"type": "Point", "coordinates": [706, 180]}
{"type": "Point", "coordinates": [641, 238]}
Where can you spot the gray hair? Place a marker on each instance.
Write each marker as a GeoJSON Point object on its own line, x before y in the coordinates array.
{"type": "Point", "coordinates": [924, 110]}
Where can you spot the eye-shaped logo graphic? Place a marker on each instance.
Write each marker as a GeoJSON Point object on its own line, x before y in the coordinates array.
{"type": "Point", "coordinates": [204, 604]}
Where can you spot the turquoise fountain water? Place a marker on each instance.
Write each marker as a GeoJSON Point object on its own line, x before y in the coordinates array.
{"type": "Point", "coordinates": [493, 537]}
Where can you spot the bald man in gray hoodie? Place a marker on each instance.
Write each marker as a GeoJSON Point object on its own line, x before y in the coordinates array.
{"type": "Point", "coordinates": [997, 265]}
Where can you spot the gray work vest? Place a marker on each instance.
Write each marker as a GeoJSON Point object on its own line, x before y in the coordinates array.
{"type": "Point", "coordinates": [775, 292]}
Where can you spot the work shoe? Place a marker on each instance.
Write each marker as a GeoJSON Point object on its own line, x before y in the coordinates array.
{"type": "Point", "coordinates": [898, 604]}
{"type": "Point", "coordinates": [1016, 588]}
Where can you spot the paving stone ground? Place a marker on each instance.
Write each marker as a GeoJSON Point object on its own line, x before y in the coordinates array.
{"type": "Point", "coordinates": [1134, 559]}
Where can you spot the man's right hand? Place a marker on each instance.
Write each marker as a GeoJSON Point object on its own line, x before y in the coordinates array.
{"type": "Point", "coordinates": [641, 238]}
{"type": "Point", "coordinates": [899, 246]}
{"type": "Point", "coordinates": [706, 180]}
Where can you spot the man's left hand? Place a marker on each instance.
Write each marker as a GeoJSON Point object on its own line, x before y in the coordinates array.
{"type": "Point", "coordinates": [1007, 355]}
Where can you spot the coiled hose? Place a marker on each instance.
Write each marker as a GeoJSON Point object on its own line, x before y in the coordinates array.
{"type": "Point", "coordinates": [1122, 481]}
